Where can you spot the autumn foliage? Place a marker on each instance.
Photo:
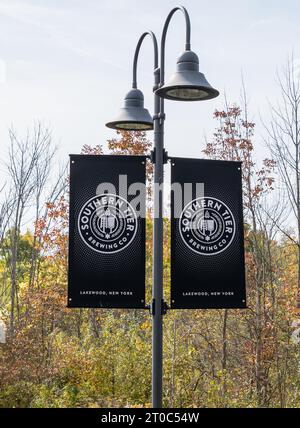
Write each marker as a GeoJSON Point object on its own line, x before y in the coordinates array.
{"type": "Point", "coordinates": [59, 357]}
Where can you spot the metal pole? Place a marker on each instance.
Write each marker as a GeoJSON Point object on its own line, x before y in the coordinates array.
{"type": "Point", "coordinates": [157, 290]}
{"type": "Point", "coordinates": [157, 307]}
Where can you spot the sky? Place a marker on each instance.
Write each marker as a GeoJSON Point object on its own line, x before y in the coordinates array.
{"type": "Point", "coordinates": [68, 63]}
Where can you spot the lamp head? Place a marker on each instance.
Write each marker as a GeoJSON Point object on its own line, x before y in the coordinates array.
{"type": "Point", "coordinates": [133, 116]}
{"type": "Point", "coordinates": [187, 83]}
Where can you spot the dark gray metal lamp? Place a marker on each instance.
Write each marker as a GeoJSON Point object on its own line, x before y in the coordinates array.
{"type": "Point", "coordinates": [133, 116]}
{"type": "Point", "coordinates": [186, 84]}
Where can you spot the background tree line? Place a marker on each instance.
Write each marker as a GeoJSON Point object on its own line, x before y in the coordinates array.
{"type": "Point", "coordinates": [57, 357]}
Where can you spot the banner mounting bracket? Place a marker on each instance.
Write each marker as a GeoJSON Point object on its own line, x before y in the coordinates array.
{"type": "Point", "coordinates": [153, 156]}
{"type": "Point", "coordinates": [164, 307]}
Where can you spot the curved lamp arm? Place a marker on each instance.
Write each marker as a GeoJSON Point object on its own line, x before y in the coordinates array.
{"type": "Point", "coordinates": [164, 34]}
{"type": "Point", "coordinates": [136, 54]}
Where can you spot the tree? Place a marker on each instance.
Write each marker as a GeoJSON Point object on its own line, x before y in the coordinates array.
{"type": "Point", "coordinates": [283, 140]}
{"type": "Point", "coordinates": [60, 357]}
{"type": "Point", "coordinates": [28, 168]}
{"type": "Point", "coordinates": [233, 141]}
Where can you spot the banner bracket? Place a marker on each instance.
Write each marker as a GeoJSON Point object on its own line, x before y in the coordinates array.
{"type": "Point", "coordinates": [165, 156]}
{"type": "Point", "coordinates": [153, 156]}
{"type": "Point", "coordinates": [164, 307]}
{"type": "Point", "coordinates": [152, 307]}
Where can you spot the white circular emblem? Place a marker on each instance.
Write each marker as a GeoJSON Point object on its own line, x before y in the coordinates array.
{"type": "Point", "coordinates": [107, 223]}
{"type": "Point", "coordinates": [207, 226]}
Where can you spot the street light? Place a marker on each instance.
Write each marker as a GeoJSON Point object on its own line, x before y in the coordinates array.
{"type": "Point", "coordinates": [133, 116]}
{"type": "Point", "coordinates": [186, 84]}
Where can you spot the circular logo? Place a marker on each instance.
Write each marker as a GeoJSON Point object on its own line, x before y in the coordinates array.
{"type": "Point", "coordinates": [207, 226]}
{"type": "Point", "coordinates": [107, 223]}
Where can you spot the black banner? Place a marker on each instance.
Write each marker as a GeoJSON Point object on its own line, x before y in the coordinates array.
{"type": "Point", "coordinates": [207, 241]}
{"type": "Point", "coordinates": [107, 231]}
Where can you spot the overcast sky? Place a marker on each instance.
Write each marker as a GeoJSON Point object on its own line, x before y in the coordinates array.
{"type": "Point", "coordinates": [68, 62]}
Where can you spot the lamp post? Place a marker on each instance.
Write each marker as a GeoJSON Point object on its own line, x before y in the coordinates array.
{"type": "Point", "coordinates": [186, 84]}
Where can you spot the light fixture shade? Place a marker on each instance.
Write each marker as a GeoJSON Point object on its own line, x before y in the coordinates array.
{"type": "Point", "coordinates": [133, 116]}
{"type": "Point", "coordinates": [187, 83]}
